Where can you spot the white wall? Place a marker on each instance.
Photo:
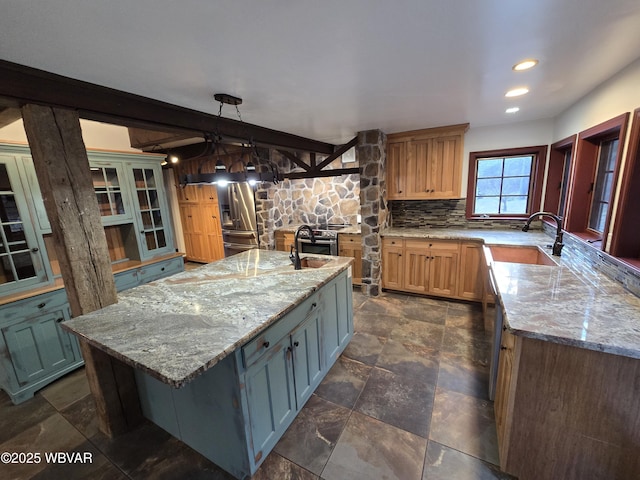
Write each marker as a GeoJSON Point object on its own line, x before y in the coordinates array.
{"type": "Point", "coordinates": [513, 135]}
{"type": "Point", "coordinates": [95, 135]}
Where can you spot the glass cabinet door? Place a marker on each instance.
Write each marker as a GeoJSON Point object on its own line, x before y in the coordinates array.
{"type": "Point", "coordinates": [154, 222]}
{"type": "Point", "coordinates": [21, 261]}
{"type": "Point", "coordinates": [110, 193]}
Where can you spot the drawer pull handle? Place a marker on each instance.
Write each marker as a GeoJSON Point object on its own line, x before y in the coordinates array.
{"type": "Point", "coordinates": [265, 344]}
{"type": "Point", "coordinates": [41, 305]}
{"type": "Point", "coordinates": [296, 344]}
{"type": "Point", "coordinates": [502, 347]}
{"type": "Point", "coordinates": [314, 305]}
{"type": "Point", "coordinates": [58, 320]}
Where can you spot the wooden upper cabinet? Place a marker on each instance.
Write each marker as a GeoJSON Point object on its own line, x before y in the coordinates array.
{"type": "Point", "coordinates": [425, 164]}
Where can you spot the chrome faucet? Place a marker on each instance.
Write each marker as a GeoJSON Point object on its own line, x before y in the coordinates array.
{"type": "Point", "coordinates": [557, 244]}
{"type": "Point", "coordinates": [295, 258]}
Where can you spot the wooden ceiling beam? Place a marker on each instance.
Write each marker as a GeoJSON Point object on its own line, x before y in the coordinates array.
{"type": "Point", "coordinates": [336, 172]}
{"type": "Point", "coordinates": [95, 102]}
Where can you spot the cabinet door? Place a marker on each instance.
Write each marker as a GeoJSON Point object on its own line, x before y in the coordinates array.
{"type": "Point", "coordinates": [416, 258]}
{"type": "Point", "coordinates": [38, 346]}
{"type": "Point", "coordinates": [445, 167]}
{"type": "Point", "coordinates": [443, 268]}
{"type": "Point", "coordinates": [471, 278]}
{"type": "Point", "coordinates": [270, 396]}
{"type": "Point", "coordinates": [350, 245]}
{"type": "Point", "coordinates": [396, 170]}
{"type": "Point", "coordinates": [111, 192]}
{"type": "Point", "coordinates": [504, 384]}
{"type": "Point", "coordinates": [392, 267]}
{"type": "Point", "coordinates": [307, 357]}
{"type": "Point", "coordinates": [419, 169]}
{"type": "Point", "coordinates": [22, 260]}
{"type": "Point", "coordinates": [151, 210]}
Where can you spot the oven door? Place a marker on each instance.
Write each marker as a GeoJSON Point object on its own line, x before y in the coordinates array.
{"type": "Point", "coordinates": [320, 247]}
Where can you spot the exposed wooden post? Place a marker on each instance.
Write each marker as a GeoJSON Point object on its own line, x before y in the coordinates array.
{"type": "Point", "coordinates": [62, 167]}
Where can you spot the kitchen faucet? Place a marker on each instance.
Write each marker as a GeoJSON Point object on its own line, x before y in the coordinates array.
{"type": "Point", "coordinates": [557, 245]}
{"type": "Point", "coordinates": [295, 258]}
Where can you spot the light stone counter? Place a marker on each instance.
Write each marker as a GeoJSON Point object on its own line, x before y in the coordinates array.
{"type": "Point", "coordinates": [569, 304]}
{"type": "Point", "coordinates": [180, 326]}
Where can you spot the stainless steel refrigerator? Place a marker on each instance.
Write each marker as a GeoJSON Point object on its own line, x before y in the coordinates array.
{"type": "Point", "coordinates": [238, 214]}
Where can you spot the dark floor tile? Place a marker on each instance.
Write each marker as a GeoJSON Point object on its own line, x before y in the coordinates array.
{"type": "Point", "coordinates": [419, 333]}
{"type": "Point", "coordinates": [82, 415]}
{"type": "Point", "coordinates": [364, 348]}
{"type": "Point", "coordinates": [66, 390]}
{"type": "Point", "coordinates": [425, 310]}
{"type": "Point", "coordinates": [474, 346]}
{"type": "Point", "coordinates": [94, 465]}
{"type": "Point", "coordinates": [310, 439]}
{"type": "Point", "coordinates": [466, 424]}
{"type": "Point", "coordinates": [398, 400]}
{"type": "Point", "coordinates": [461, 375]}
{"type": "Point", "coordinates": [467, 318]}
{"type": "Point", "coordinates": [378, 324]}
{"type": "Point", "coordinates": [410, 360]}
{"type": "Point", "coordinates": [369, 449]}
{"type": "Point", "coordinates": [15, 419]}
{"type": "Point", "coordinates": [150, 452]}
{"type": "Point", "coordinates": [54, 434]}
{"type": "Point", "coordinates": [444, 463]}
{"type": "Point", "coordinates": [277, 468]}
{"type": "Point", "coordinates": [385, 304]}
{"type": "Point", "coordinates": [344, 382]}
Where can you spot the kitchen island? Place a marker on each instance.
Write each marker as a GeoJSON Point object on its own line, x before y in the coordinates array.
{"type": "Point", "coordinates": [226, 355]}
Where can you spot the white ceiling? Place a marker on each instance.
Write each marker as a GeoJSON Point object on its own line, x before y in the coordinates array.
{"type": "Point", "coordinates": [328, 69]}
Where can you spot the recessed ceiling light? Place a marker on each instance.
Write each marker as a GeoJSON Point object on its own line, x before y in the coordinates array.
{"type": "Point", "coordinates": [525, 65]}
{"type": "Point", "coordinates": [516, 92]}
{"type": "Point", "coordinates": [512, 110]}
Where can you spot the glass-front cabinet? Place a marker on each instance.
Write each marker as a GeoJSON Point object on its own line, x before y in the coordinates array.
{"type": "Point", "coordinates": [21, 253]}
{"type": "Point", "coordinates": [135, 215]}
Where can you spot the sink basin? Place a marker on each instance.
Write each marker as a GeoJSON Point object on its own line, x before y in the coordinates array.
{"type": "Point", "coordinates": [309, 262]}
{"type": "Point", "coordinates": [517, 254]}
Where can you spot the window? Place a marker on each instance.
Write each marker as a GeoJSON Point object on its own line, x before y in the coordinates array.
{"type": "Point", "coordinates": [558, 176]}
{"type": "Point", "coordinates": [505, 183]}
{"type": "Point", "coordinates": [593, 180]}
{"type": "Point", "coordinates": [603, 185]}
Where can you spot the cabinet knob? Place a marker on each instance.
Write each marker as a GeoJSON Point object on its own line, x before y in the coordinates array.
{"type": "Point", "coordinates": [314, 305]}
{"type": "Point", "coordinates": [41, 305]}
{"type": "Point", "coordinates": [58, 320]}
{"type": "Point", "coordinates": [296, 344]}
{"type": "Point", "coordinates": [265, 344]}
{"type": "Point", "coordinates": [35, 249]}
{"type": "Point", "coordinates": [502, 347]}
{"type": "Point", "coordinates": [504, 328]}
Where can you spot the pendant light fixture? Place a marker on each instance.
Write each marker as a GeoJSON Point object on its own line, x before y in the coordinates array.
{"type": "Point", "coordinates": [255, 170]}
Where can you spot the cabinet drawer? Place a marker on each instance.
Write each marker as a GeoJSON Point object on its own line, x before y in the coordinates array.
{"type": "Point", "coordinates": [349, 239]}
{"type": "Point", "coordinates": [392, 242]}
{"type": "Point", "coordinates": [17, 311]}
{"type": "Point", "coordinates": [264, 342]}
{"type": "Point", "coordinates": [126, 280]}
{"type": "Point", "coordinates": [158, 270]}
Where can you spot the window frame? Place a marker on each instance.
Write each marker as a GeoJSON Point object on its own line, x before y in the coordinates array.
{"type": "Point", "coordinates": [556, 175]}
{"type": "Point", "coordinates": [539, 153]}
{"type": "Point", "coordinates": [583, 178]}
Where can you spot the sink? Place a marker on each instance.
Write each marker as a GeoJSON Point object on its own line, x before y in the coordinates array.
{"type": "Point", "coordinates": [310, 262]}
{"type": "Point", "coordinates": [520, 254]}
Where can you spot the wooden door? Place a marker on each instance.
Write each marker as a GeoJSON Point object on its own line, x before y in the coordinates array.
{"type": "Point", "coordinates": [470, 277]}
{"type": "Point", "coordinates": [443, 268]}
{"type": "Point", "coordinates": [396, 170]}
{"type": "Point", "coordinates": [445, 167]}
{"type": "Point", "coordinates": [419, 169]}
{"type": "Point", "coordinates": [416, 266]}
{"type": "Point", "coordinates": [392, 264]}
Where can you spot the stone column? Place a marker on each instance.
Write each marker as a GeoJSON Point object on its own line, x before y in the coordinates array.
{"type": "Point", "coordinates": [371, 155]}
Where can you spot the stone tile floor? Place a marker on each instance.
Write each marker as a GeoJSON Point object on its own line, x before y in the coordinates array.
{"type": "Point", "coordinates": [407, 400]}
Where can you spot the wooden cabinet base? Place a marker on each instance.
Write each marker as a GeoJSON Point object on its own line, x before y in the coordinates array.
{"type": "Point", "coordinates": [569, 413]}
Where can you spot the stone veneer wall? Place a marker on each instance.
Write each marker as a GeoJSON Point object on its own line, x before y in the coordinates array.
{"type": "Point", "coordinates": [313, 201]}
{"type": "Point", "coordinates": [440, 214]}
{"type": "Point", "coordinates": [371, 155]}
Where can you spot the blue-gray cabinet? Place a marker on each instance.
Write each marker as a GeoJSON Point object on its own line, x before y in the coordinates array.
{"type": "Point", "coordinates": [235, 412]}
{"type": "Point", "coordinates": [34, 350]}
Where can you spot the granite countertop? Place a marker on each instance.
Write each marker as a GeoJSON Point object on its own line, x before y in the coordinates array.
{"type": "Point", "coordinates": [570, 303]}
{"type": "Point", "coordinates": [180, 326]}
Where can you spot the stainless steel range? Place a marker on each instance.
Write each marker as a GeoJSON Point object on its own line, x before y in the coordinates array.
{"type": "Point", "coordinates": [326, 241]}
